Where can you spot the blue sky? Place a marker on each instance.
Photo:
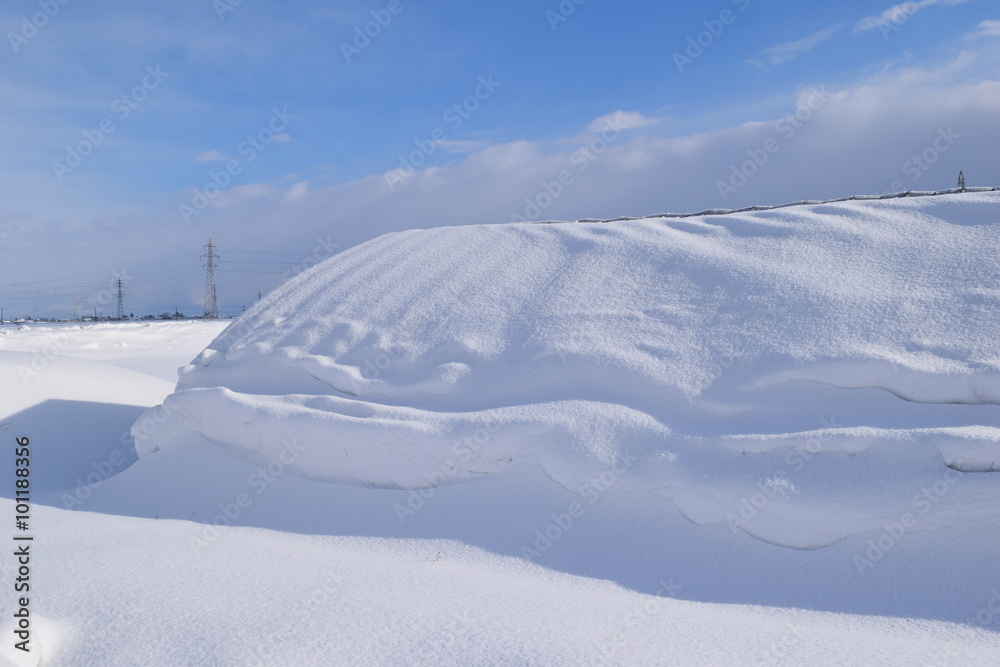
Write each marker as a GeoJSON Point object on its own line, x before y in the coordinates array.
{"type": "Point", "coordinates": [319, 131]}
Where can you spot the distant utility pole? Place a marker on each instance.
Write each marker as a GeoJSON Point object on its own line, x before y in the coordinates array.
{"type": "Point", "coordinates": [211, 293]}
{"type": "Point", "coordinates": [120, 311]}
{"type": "Point", "coordinates": [961, 182]}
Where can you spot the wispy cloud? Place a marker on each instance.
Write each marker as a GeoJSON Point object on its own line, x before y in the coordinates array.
{"type": "Point", "coordinates": [239, 194]}
{"type": "Point", "coordinates": [461, 145]}
{"type": "Point", "coordinates": [899, 13]}
{"type": "Point", "coordinates": [985, 29]}
{"type": "Point", "coordinates": [891, 111]}
{"type": "Point", "coordinates": [298, 191]}
{"type": "Point", "coordinates": [621, 120]}
{"type": "Point", "coordinates": [782, 53]}
{"type": "Point", "coordinates": [210, 156]}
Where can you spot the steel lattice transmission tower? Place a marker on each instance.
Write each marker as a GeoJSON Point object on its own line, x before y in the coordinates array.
{"type": "Point", "coordinates": [211, 293]}
{"type": "Point", "coordinates": [120, 311]}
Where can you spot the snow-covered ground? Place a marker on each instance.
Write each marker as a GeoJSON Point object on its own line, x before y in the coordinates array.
{"type": "Point", "coordinates": [759, 438]}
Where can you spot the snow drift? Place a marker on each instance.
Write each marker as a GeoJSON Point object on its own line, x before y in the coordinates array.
{"type": "Point", "coordinates": [793, 373]}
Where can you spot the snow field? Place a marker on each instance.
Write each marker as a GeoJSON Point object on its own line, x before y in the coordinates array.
{"type": "Point", "coordinates": [754, 439]}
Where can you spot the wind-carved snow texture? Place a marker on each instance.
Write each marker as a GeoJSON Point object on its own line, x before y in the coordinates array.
{"type": "Point", "coordinates": [824, 358]}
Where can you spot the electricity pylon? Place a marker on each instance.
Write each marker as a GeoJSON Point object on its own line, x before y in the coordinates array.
{"type": "Point", "coordinates": [120, 311]}
{"type": "Point", "coordinates": [211, 293]}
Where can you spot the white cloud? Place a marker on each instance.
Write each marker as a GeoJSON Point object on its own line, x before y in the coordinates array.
{"type": "Point", "coordinates": [282, 137]}
{"type": "Point", "coordinates": [620, 120]}
{"type": "Point", "coordinates": [210, 156]}
{"type": "Point", "coordinates": [861, 140]}
{"type": "Point", "coordinates": [235, 195]}
{"type": "Point", "coordinates": [857, 142]}
{"type": "Point", "coordinates": [782, 53]}
{"type": "Point", "coordinates": [899, 14]}
{"type": "Point", "coordinates": [985, 29]}
{"type": "Point", "coordinates": [298, 191]}
{"type": "Point", "coordinates": [461, 146]}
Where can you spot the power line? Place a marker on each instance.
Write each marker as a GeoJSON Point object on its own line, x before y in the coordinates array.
{"type": "Point", "coordinates": [150, 280]}
{"type": "Point", "coordinates": [93, 276]}
{"type": "Point", "coordinates": [274, 273]}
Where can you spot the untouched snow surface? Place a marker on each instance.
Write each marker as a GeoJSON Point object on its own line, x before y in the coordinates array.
{"type": "Point", "coordinates": [147, 347]}
{"type": "Point", "coordinates": [753, 439]}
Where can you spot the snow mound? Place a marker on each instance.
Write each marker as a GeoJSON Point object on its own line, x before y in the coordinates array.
{"type": "Point", "coordinates": [791, 372]}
